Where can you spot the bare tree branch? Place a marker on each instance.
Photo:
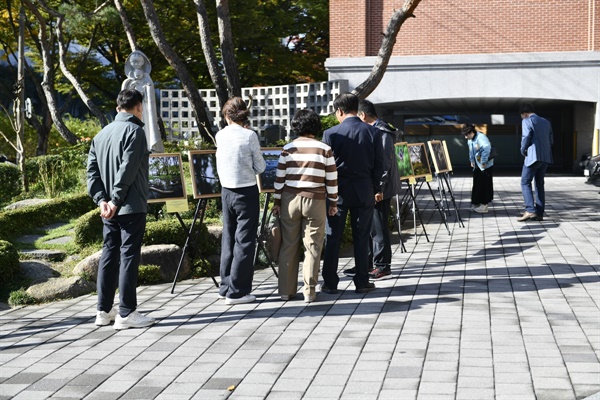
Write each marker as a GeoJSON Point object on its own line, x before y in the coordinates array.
{"type": "Point", "coordinates": [128, 28]}
{"type": "Point", "coordinates": [385, 51]}
{"type": "Point", "coordinates": [48, 80]}
{"type": "Point", "coordinates": [175, 62]}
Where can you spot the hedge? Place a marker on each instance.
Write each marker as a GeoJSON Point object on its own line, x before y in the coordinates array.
{"type": "Point", "coordinates": [88, 228]}
{"type": "Point", "coordinates": [9, 262]}
{"type": "Point", "coordinates": [10, 182]}
{"type": "Point", "coordinates": [24, 220]}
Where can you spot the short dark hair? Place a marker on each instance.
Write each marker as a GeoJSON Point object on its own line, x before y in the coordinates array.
{"type": "Point", "coordinates": [306, 122]}
{"type": "Point", "coordinates": [128, 99]}
{"type": "Point", "coordinates": [235, 109]}
{"type": "Point", "coordinates": [526, 108]}
{"type": "Point", "coordinates": [347, 102]}
{"type": "Point", "coordinates": [468, 128]}
{"type": "Point", "coordinates": [368, 108]}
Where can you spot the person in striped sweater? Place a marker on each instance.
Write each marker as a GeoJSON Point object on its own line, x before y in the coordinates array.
{"type": "Point", "coordinates": [306, 178]}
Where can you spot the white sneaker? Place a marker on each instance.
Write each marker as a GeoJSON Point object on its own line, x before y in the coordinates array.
{"type": "Point", "coordinates": [133, 320]}
{"type": "Point", "coordinates": [473, 207]}
{"type": "Point", "coordinates": [249, 298]}
{"type": "Point", "coordinates": [104, 318]}
{"type": "Point", "coordinates": [482, 209]}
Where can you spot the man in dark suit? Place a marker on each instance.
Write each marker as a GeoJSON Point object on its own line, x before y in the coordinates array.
{"type": "Point", "coordinates": [536, 147]}
{"type": "Point", "coordinates": [358, 156]}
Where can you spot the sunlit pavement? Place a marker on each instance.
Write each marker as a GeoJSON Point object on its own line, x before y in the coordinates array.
{"type": "Point", "coordinates": [496, 310]}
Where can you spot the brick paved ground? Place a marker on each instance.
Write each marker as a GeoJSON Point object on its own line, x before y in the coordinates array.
{"type": "Point", "coordinates": [496, 310]}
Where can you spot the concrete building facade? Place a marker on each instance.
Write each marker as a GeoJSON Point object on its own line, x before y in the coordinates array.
{"type": "Point", "coordinates": [475, 61]}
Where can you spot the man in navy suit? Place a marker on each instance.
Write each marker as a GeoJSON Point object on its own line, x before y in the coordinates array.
{"type": "Point", "coordinates": [358, 154]}
{"type": "Point", "coordinates": [536, 147]}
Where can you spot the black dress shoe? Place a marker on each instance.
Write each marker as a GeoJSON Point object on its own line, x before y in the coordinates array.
{"type": "Point", "coordinates": [367, 288]}
{"type": "Point", "coordinates": [325, 289]}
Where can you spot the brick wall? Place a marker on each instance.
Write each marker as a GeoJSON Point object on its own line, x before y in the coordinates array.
{"type": "Point", "coordinates": [467, 26]}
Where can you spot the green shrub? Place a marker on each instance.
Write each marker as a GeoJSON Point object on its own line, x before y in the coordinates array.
{"type": "Point", "coordinates": [10, 182]}
{"type": "Point", "coordinates": [170, 231]}
{"type": "Point", "coordinates": [56, 173]}
{"type": "Point", "coordinates": [88, 228]}
{"type": "Point", "coordinates": [202, 268]}
{"type": "Point", "coordinates": [9, 262]}
{"type": "Point", "coordinates": [24, 220]}
{"type": "Point", "coordinates": [20, 298]}
{"type": "Point", "coordinates": [149, 274]}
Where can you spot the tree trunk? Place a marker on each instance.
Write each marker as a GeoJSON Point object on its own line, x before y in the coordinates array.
{"type": "Point", "coordinates": [187, 82]}
{"type": "Point", "coordinates": [385, 51]}
{"type": "Point", "coordinates": [48, 79]}
{"type": "Point", "coordinates": [128, 28]}
{"type": "Point", "coordinates": [227, 51]}
{"type": "Point", "coordinates": [209, 53]}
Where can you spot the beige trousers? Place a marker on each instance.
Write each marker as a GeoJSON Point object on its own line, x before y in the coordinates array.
{"type": "Point", "coordinates": [303, 219]}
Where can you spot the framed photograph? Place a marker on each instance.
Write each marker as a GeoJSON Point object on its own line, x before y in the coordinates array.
{"type": "Point", "coordinates": [403, 160]}
{"type": "Point", "coordinates": [419, 160]}
{"type": "Point", "coordinates": [266, 180]}
{"type": "Point", "coordinates": [440, 163]}
{"type": "Point", "coordinates": [203, 168]}
{"type": "Point", "coordinates": [165, 178]}
{"type": "Point", "coordinates": [447, 155]}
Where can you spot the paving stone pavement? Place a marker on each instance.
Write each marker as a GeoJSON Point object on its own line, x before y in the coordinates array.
{"type": "Point", "coordinates": [495, 310]}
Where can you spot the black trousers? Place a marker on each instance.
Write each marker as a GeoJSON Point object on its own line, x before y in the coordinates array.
{"type": "Point", "coordinates": [380, 254]}
{"type": "Point", "coordinates": [238, 244]}
{"type": "Point", "coordinates": [119, 262]}
{"type": "Point", "coordinates": [360, 219]}
{"type": "Point", "coordinates": [483, 186]}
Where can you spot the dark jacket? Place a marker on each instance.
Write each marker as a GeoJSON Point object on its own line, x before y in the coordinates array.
{"type": "Point", "coordinates": [358, 153]}
{"type": "Point", "coordinates": [390, 185]}
{"type": "Point", "coordinates": [117, 167]}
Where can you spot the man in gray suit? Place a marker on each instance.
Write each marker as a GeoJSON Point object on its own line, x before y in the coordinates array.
{"type": "Point", "coordinates": [536, 147]}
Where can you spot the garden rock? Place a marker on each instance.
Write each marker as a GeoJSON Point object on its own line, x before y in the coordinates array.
{"type": "Point", "coordinates": [37, 271]}
{"type": "Point", "coordinates": [49, 255]}
{"type": "Point", "coordinates": [166, 256]}
{"type": "Point", "coordinates": [61, 288]}
{"type": "Point", "coordinates": [26, 203]}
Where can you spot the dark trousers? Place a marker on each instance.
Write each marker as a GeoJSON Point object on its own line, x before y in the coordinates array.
{"type": "Point", "coordinates": [483, 186]}
{"type": "Point", "coordinates": [380, 254]}
{"type": "Point", "coordinates": [238, 244]}
{"type": "Point", "coordinates": [536, 171]}
{"type": "Point", "coordinates": [121, 254]}
{"type": "Point", "coordinates": [360, 220]}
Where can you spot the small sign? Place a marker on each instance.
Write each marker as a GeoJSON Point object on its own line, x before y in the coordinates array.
{"type": "Point", "coordinates": [177, 206]}
{"type": "Point", "coordinates": [428, 178]}
{"type": "Point", "coordinates": [412, 180]}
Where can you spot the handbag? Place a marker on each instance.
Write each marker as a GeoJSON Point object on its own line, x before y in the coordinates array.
{"type": "Point", "coordinates": [493, 153]}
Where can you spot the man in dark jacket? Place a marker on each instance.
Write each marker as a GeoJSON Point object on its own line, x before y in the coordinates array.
{"type": "Point", "coordinates": [117, 180]}
{"type": "Point", "coordinates": [380, 255]}
{"type": "Point", "coordinates": [358, 153]}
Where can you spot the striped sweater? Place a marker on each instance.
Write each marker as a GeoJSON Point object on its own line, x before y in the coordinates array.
{"type": "Point", "coordinates": [306, 167]}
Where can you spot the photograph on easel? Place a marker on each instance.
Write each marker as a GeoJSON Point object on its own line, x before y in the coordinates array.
{"type": "Point", "coordinates": [203, 168]}
{"type": "Point", "coordinates": [447, 155]}
{"type": "Point", "coordinates": [165, 177]}
{"type": "Point", "coordinates": [419, 160]}
{"type": "Point", "coordinates": [438, 155]}
{"type": "Point", "coordinates": [266, 180]}
{"type": "Point", "coordinates": [403, 160]}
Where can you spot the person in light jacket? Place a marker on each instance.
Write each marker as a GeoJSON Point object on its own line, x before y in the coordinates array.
{"type": "Point", "coordinates": [536, 147]}
{"type": "Point", "coordinates": [480, 149]}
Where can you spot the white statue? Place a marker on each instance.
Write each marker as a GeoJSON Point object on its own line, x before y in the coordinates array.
{"type": "Point", "coordinates": [137, 69]}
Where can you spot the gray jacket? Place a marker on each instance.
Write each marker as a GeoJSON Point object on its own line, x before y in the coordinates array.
{"type": "Point", "coordinates": [117, 167]}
